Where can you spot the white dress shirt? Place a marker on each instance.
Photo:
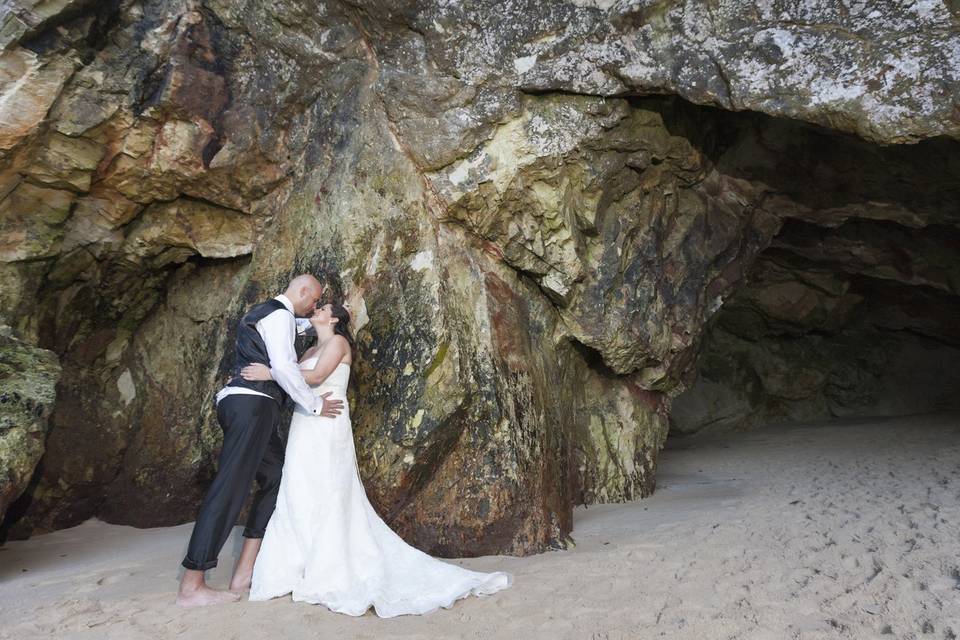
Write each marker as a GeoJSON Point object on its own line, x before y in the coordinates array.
{"type": "Point", "coordinates": [278, 331]}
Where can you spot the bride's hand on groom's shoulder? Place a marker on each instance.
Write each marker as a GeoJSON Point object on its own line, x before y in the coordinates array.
{"type": "Point", "coordinates": [256, 371]}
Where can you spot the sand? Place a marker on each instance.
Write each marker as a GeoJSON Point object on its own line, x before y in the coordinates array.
{"type": "Point", "coordinates": [848, 530]}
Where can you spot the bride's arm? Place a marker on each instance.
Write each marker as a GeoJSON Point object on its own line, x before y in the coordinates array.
{"type": "Point", "coordinates": [328, 361]}
{"type": "Point", "coordinates": [258, 371]}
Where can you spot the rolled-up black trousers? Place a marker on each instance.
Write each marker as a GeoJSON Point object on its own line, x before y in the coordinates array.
{"type": "Point", "coordinates": [252, 449]}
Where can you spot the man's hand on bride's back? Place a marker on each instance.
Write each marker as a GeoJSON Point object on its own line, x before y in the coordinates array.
{"type": "Point", "coordinates": [331, 406]}
{"type": "Point", "coordinates": [256, 371]}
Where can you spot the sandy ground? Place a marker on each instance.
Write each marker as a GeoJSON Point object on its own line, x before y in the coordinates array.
{"type": "Point", "coordinates": [847, 530]}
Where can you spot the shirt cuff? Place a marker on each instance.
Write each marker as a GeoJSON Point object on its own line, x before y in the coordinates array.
{"type": "Point", "coordinates": [304, 328]}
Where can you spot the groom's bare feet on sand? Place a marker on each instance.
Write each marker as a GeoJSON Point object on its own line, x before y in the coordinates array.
{"type": "Point", "coordinates": [205, 596]}
{"type": "Point", "coordinates": [194, 591]}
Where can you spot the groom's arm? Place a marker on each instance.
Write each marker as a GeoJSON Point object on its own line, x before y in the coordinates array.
{"type": "Point", "coordinates": [278, 330]}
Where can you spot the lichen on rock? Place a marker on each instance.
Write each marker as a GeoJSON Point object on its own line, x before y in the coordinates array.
{"type": "Point", "coordinates": [28, 379]}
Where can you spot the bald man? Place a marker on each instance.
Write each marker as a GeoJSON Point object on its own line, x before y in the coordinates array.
{"type": "Point", "coordinates": [249, 413]}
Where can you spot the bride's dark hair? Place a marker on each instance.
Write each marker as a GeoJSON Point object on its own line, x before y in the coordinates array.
{"type": "Point", "coordinates": [342, 327]}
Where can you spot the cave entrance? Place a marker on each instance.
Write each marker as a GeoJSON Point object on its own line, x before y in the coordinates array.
{"type": "Point", "coordinates": [853, 310]}
{"type": "Point", "coordinates": [861, 320]}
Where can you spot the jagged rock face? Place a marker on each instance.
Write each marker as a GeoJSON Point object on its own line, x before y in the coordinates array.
{"type": "Point", "coordinates": [530, 270]}
{"type": "Point", "coordinates": [28, 378]}
{"type": "Point", "coordinates": [884, 71]}
{"type": "Point", "coordinates": [852, 310]}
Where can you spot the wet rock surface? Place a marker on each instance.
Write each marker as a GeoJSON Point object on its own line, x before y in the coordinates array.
{"type": "Point", "coordinates": [533, 230]}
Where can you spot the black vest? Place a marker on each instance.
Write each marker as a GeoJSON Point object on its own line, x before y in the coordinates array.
{"type": "Point", "coordinates": [251, 348]}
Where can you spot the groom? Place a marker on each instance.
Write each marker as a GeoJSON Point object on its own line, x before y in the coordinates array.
{"type": "Point", "coordinates": [249, 412]}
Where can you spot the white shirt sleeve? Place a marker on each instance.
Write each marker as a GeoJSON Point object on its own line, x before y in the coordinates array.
{"type": "Point", "coordinates": [278, 330]}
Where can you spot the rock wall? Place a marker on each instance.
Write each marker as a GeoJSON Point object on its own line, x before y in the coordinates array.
{"type": "Point", "coordinates": [852, 309]}
{"type": "Point", "coordinates": [532, 249]}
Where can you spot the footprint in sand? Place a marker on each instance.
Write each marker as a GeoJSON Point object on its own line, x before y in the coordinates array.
{"type": "Point", "coordinates": [113, 578]}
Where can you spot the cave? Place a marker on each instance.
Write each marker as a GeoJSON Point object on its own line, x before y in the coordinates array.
{"type": "Point", "coordinates": [852, 309]}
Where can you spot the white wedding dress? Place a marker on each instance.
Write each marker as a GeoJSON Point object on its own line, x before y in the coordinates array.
{"type": "Point", "coordinates": [326, 545]}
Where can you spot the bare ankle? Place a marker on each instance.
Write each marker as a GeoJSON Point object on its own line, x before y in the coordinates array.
{"type": "Point", "coordinates": [192, 581]}
{"type": "Point", "coordinates": [240, 582]}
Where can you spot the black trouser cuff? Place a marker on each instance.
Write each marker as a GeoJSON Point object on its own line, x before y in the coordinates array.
{"type": "Point", "coordinates": [198, 566]}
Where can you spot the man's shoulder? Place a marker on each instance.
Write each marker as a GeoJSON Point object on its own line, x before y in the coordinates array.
{"type": "Point", "coordinates": [269, 306]}
{"type": "Point", "coordinates": [276, 304]}
{"type": "Point", "coordinates": [278, 315]}
{"type": "Point", "coordinates": [267, 309]}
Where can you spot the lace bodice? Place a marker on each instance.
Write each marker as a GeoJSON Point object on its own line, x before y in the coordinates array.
{"type": "Point", "coordinates": [336, 381]}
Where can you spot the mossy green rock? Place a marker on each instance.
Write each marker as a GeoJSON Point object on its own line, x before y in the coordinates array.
{"type": "Point", "coordinates": [28, 391]}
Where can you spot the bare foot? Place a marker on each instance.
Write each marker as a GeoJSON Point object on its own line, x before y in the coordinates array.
{"type": "Point", "coordinates": [240, 583]}
{"type": "Point", "coordinates": [243, 572]}
{"type": "Point", "coordinates": [205, 596]}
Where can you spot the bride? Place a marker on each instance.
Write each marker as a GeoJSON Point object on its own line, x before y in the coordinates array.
{"type": "Point", "coordinates": [325, 544]}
